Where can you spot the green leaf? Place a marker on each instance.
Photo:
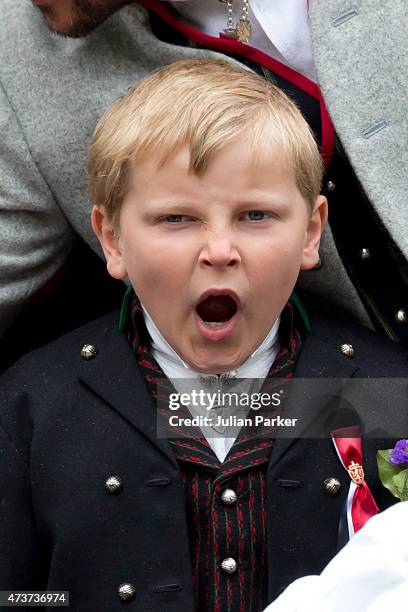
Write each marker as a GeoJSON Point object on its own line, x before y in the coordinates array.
{"type": "Point", "coordinates": [387, 471]}
{"type": "Point", "coordinates": [401, 484]}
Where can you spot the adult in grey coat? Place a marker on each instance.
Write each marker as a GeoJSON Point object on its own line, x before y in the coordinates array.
{"type": "Point", "coordinates": [53, 90]}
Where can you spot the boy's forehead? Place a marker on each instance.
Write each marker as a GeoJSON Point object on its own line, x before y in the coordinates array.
{"type": "Point", "coordinates": [237, 162]}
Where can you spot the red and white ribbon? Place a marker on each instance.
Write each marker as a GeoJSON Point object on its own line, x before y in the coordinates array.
{"type": "Point", "coordinates": [361, 505]}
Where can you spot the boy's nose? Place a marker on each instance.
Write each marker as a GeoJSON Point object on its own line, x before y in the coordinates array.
{"type": "Point", "coordinates": [219, 250]}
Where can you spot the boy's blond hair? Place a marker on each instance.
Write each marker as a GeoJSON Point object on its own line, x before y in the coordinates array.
{"type": "Point", "coordinates": [206, 104]}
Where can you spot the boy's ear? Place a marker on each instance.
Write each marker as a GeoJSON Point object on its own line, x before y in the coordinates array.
{"type": "Point", "coordinates": [317, 221]}
{"type": "Point", "coordinates": [103, 228]}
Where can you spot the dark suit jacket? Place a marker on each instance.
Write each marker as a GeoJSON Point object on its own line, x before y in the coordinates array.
{"type": "Point", "coordinates": [68, 424]}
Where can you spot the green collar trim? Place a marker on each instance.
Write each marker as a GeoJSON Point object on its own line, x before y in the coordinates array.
{"type": "Point", "coordinates": [294, 298]}
{"type": "Point", "coordinates": [124, 309]}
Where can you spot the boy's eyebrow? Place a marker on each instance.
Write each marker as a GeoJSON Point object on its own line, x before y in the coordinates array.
{"type": "Point", "coordinates": [166, 202]}
{"type": "Point", "coordinates": [166, 206]}
{"type": "Point", "coordinates": [272, 199]}
{"type": "Point", "coordinates": [178, 202]}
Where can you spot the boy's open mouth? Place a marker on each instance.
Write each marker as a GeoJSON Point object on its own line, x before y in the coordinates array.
{"type": "Point", "coordinates": [217, 314]}
{"type": "Point", "coordinates": [217, 309]}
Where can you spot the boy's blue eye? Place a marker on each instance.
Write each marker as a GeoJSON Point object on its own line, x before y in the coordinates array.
{"type": "Point", "coordinates": [256, 215]}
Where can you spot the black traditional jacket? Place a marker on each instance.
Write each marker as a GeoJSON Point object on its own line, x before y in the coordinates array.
{"type": "Point", "coordinates": [68, 424]}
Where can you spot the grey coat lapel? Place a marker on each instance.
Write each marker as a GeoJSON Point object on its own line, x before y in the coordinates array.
{"type": "Point", "coordinates": [361, 58]}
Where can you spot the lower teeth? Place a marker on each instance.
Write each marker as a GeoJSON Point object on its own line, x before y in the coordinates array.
{"type": "Point", "coordinates": [215, 323]}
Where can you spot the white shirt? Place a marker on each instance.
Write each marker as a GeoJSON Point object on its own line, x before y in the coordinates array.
{"type": "Point", "coordinates": [280, 28]}
{"type": "Point", "coordinates": [255, 368]}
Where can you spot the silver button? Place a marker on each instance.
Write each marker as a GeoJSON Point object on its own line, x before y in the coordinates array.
{"type": "Point", "coordinates": [229, 565]}
{"type": "Point", "coordinates": [364, 254]}
{"type": "Point", "coordinates": [114, 485]}
{"type": "Point", "coordinates": [347, 350]}
{"type": "Point", "coordinates": [88, 351]}
{"type": "Point", "coordinates": [332, 486]}
{"type": "Point", "coordinates": [401, 316]}
{"type": "Point", "coordinates": [330, 186]}
{"type": "Point", "coordinates": [126, 591]}
{"type": "Point", "coordinates": [229, 497]}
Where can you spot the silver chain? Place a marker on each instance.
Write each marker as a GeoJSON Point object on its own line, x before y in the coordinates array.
{"type": "Point", "coordinates": [245, 10]}
{"type": "Point", "coordinates": [230, 14]}
{"type": "Point", "coordinates": [242, 30]}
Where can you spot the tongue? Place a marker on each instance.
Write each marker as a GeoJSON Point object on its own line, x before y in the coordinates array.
{"type": "Point", "coordinates": [217, 308]}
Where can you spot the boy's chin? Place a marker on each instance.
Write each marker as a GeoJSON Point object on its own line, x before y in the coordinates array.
{"type": "Point", "coordinates": [213, 363]}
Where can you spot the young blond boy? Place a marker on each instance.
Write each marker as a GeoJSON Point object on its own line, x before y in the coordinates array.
{"type": "Point", "coordinates": [205, 186]}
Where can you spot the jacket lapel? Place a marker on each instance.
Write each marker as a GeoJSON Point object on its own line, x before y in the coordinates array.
{"type": "Point", "coordinates": [114, 377]}
{"type": "Point", "coordinates": [319, 359]}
